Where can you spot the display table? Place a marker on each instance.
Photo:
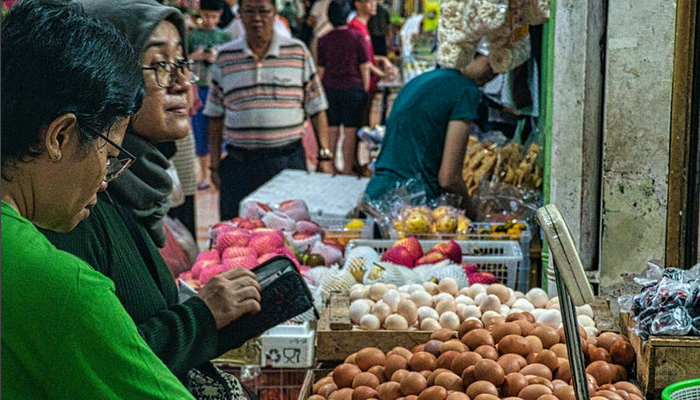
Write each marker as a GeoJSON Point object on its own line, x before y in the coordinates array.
{"type": "Point", "coordinates": [326, 195]}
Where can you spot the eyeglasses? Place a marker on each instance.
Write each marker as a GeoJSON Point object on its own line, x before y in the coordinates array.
{"type": "Point", "coordinates": [116, 166]}
{"type": "Point", "coordinates": [263, 12]}
{"type": "Point", "coordinates": [167, 72]}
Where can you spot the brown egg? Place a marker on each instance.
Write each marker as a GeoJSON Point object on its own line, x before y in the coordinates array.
{"type": "Point", "coordinates": [445, 359]}
{"type": "Point", "coordinates": [433, 393]}
{"type": "Point", "coordinates": [620, 373]}
{"type": "Point", "coordinates": [463, 360]}
{"type": "Point", "coordinates": [411, 397]}
{"type": "Point", "coordinates": [565, 392]}
{"type": "Point", "coordinates": [457, 396]}
{"type": "Point", "coordinates": [394, 363]}
{"type": "Point", "coordinates": [443, 334]}
{"type": "Point", "coordinates": [434, 374]}
{"type": "Point", "coordinates": [601, 371]}
{"type": "Point", "coordinates": [389, 391]}
{"type": "Point", "coordinates": [515, 316]}
{"type": "Point", "coordinates": [548, 397]}
{"type": "Point", "coordinates": [426, 373]}
{"type": "Point", "coordinates": [591, 383]}
{"type": "Point", "coordinates": [422, 361]}
{"type": "Point", "coordinates": [511, 363]}
{"type": "Point", "coordinates": [531, 358]}
{"type": "Point", "coordinates": [398, 376]}
{"type": "Point", "coordinates": [417, 348]}
{"type": "Point", "coordinates": [547, 334]}
{"type": "Point", "coordinates": [532, 392]}
{"type": "Point", "coordinates": [607, 339]}
{"type": "Point", "coordinates": [468, 326]}
{"type": "Point", "coordinates": [608, 394]}
{"type": "Point", "coordinates": [317, 397]}
{"type": "Point", "coordinates": [369, 357]}
{"type": "Point", "coordinates": [449, 380]}
{"type": "Point", "coordinates": [513, 384]}
{"type": "Point", "coordinates": [413, 383]}
{"type": "Point", "coordinates": [525, 326]}
{"type": "Point", "coordinates": [343, 375]}
{"type": "Point", "coordinates": [509, 328]}
{"type": "Point", "coordinates": [535, 343]}
{"type": "Point", "coordinates": [514, 344]}
{"type": "Point", "coordinates": [622, 352]}
{"type": "Point", "coordinates": [364, 393]}
{"type": "Point", "coordinates": [341, 394]}
{"type": "Point", "coordinates": [628, 387]}
{"type": "Point", "coordinates": [432, 346]}
{"type": "Point", "coordinates": [564, 370]}
{"type": "Point", "coordinates": [378, 371]}
{"type": "Point", "coordinates": [350, 359]}
{"type": "Point", "coordinates": [487, 351]}
{"type": "Point", "coordinates": [468, 376]}
{"type": "Point", "coordinates": [486, 396]}
{"type": "Point", "coordinates": [560, 350]}
{"type": "Point", "coordinates": [598, 354]}
{"type": "Point", "coordinates": [538, 380]}
{"type": "Point", "coordinates": [477, 337]}
{"type": "Point", "coordinates": [455, 345]}
{"type": "Point", "coordinates": [365, 379]}
{"type": "Point", "coordinates": [321, 382]}
{"type": "Point", "coordinates": [529, 317]}
{"type": "Point", "coordinates": [480, 387]}
{"type": "Point", "coordinates": [327, 389]}
{"type": "Point", "coordinates": [489, 370]}
{"type": "Point", "coordinates": [402, 351]}
{"type": "Point", "coordinates": [548, 358]}
{"type": "Point", "coordinates": [557, 383]}
{"type": "Point", "coordinates": [635, 397]}
{"type": "Point", "coordinates": [538, 370]}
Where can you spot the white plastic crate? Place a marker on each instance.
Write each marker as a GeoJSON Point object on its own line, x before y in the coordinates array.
{"type": "Point", "coordinates": [335, 229]}
{"type": "Point", "coordinates": [502, 258]}
{"type": "Point", "coordinates": [288, 346]}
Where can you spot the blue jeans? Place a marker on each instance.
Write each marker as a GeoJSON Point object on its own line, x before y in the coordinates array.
{"type": "Point", "coordinates": [200, 126]}
{"type": "Point", "coordinates": [243, 171]}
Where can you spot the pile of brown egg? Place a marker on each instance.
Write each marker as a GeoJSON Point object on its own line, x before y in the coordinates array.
{"type": "Point", "coordinates": [517, 359]}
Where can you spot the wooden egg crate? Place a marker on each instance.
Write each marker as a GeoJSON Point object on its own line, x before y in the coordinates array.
{"type": "Point", "coordinates": [662, 360]}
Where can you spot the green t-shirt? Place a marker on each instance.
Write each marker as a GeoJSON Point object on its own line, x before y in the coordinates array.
{"type": "Point", "coordinates": [206, 39]}
{"type": "Point", "coordinates": [64, 333]}
{"type": "Point", "coordinates": [414, 140]}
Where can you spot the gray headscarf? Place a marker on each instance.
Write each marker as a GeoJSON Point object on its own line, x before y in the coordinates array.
{"type": "Point", "coordinates": [146, 186]}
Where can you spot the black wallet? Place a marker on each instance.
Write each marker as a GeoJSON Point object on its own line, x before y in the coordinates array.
{"type": "Point", "coordinates": [284, 295]}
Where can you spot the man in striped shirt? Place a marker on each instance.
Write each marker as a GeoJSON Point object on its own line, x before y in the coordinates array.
{"type": "Point", "coordinates": [263, 87]}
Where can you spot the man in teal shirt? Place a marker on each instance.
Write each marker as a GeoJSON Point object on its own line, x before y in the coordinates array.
{"type": "Point", "coordinates": [428, 129]}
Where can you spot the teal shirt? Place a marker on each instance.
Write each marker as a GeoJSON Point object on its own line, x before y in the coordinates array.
{"type": "Point", "coordinates": [205, 39]}
{"type": "Point", "coordinates": [64, 333]}
{"type": "Point", "coordinates": [414, 140]}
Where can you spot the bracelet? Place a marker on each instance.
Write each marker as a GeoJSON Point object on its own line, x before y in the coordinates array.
{"type": "Point", "coordinates": [324, 154]}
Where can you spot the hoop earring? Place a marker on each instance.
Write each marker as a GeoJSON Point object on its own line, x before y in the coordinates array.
{"type": "Point", "coordinates": [56, 157]}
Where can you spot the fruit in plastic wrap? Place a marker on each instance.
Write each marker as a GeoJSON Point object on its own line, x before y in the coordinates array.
{"type": "Point", "coordinates": [417, 222]}
{"type": "Point", "coordinates": [446, 223]}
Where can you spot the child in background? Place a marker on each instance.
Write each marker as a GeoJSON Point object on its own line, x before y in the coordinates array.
{"type": "Point", "coordinates": [202, 46]}
{"type": "Point", "coordinates": [344, 68]}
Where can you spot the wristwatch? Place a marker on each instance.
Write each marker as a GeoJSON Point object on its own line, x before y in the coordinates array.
{"type": "Point", "coordinates": [325, 154]}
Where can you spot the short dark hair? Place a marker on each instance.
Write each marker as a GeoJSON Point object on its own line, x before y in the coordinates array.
{"type": "Point", "coordinates": [213, 5]}
{"type": "Point", "coordinates": [338, 12]}
{"type": "Point", "coordinates": [57, 60]}
{"type": "Point", "coordinates": [272, 2]}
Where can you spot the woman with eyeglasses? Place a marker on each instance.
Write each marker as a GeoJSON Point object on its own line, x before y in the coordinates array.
{"type": "Point", "coordinates": [122, 237]}
{"type": "Point", "coordinates": [65, 110]}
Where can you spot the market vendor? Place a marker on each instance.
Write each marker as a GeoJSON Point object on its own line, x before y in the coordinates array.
{"type": "Point", "coordinates": [427, 131]}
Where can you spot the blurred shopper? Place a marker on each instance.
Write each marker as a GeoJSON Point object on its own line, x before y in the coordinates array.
{"type": "Point", "coordinates": [379, 26]}
{"type": "Point", "coordinates": [122, 236]}
{"type": "Point", "coordinates": [428, 129]}
{"type": "Point", "coordinates": [264, 86]}
{"type": "Point", "coordinates": [65, 110]}
{"type": "Point", "coordinates": [318, 21]}
{"type": "Point", "coordinates": [289, 13]}
{"type": "Point", "coordinates": [343, 64]}
{"type": "Point", "coordinates": [202, 46]}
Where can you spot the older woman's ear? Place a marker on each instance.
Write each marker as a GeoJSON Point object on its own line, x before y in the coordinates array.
{"type": "Point", "coordinates": [59, 134]}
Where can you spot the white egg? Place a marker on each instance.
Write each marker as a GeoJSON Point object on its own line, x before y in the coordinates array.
{"type": "Point", "coordinates": [426, 312]}
{"type": "Point", "coordinates": [464, 291]}
{"type": "Point", "coordinates": [358, 293]}
{"type": "Point", "coordinates": [442, 296]}
{"type": "Point", "coordinates": [381, 310]}
{"type": "Point", "coordinates": [404, 288]}
{"type": "Point", "coordinates": [377, 290]}
{"type": "Point", "coordinates": [511, 300]}
{"type": "Point", "coordinates": [591, 331]}
{"type": "Point", "coordinates": [466, 300]}
{"type": "Point", "coordinates": [519, 295]}
{"type": "Point", "coordinates": [448, 285]}
{"type": "Point", "coordinates": [392, 297]}
{"type": "Point", "coordinates": [490, 317]}
{"type": "Point", "coordinates": [430, 287]}
{"type": "Point", "coordinates": [537, 312]}
{"type": "Point", "coordinates": [523, 304]}
{"type": "Point", "coordinates": [537, 297]}
{"type": "Point", "coordinates": [370, 322]}
{"type": "Point", "coordinates": [479, 298]}
{"type": "Point", "coordinates": [408, 310]}
{"type": "Point", "coordinates": [449, 320]}
{"type": "Point", "coordinates": [490, 303]}
{"type": "Point", "coordinates": [553, 303]}
{"type": "Point", "coordinates": [514, 310]}
{"type": "Point", "coordinates": [395, 322]}
{"type": "Point", "coordinates": [549, 317]}
{"type": "Point", "coordinates": [445, 306]}
{"type": "Point", "coordinates": [470, 311]}
{"type": "Point", "coordinates": [357, 286]}
{"type": "Point", "coordinates": [429, 324]}
{"type": "Point", "coordinates": [422, 298]}
{"type": "Point", "coordinates": [585, 310]}
{"type": "Point", "coordinates": [357, 309]}
{"type": "Point", "coordinates": [412, 288]}
{"type": "Point", "coordinates": [475, 289]}
{"type": "Point", "coordinates": [504, 309]}
{"type": "Point", "coordinates": [586, 321]}
{"type": "Point", "coordinates": [392, 286]}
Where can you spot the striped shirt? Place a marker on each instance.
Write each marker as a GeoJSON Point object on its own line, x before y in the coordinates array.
{"type": "Point", "coordinates": [264, 103]}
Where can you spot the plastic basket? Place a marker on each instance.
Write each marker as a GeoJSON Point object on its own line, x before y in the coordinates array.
{"type": "Point", "coordinates": [271, 383]}
{"type": "Point", "coordinates": [524, 238]}
{"type": "Point", "coordinates": [499, 257]}
{"type": "Point", "coordinates": [335, 229]}
{"type": "Point", "coordinates": [685, 390]}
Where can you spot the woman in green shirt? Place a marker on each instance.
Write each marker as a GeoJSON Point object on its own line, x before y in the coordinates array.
{"type": "Point", "coordinates": [69, 89]}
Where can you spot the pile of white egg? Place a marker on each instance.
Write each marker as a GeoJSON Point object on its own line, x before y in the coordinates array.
{"type": "Point", "coordinates": [432, 306]}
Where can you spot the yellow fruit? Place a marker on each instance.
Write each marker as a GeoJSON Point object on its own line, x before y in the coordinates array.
{"type": "Point", "coordinates": [446, 224]}
{"type": "Point", "coordinates": [417, 223]}
{"type": "Point", "coordinates": [355, 224]}
{"type": "Point", "coordinates": [443, 210]}
{"type": "Point", "coordinates": [463, 224]}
